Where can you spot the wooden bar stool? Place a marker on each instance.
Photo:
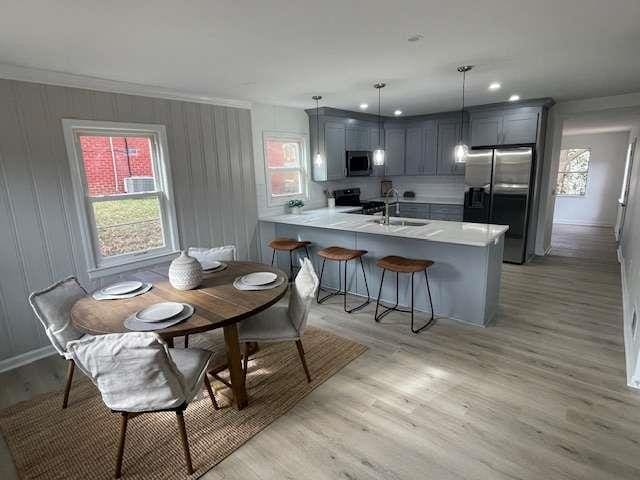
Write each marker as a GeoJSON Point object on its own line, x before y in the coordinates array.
{"type": "Point", "coordinates": [403, 265]}
{"type": "Point", "coordinates": [288, 245]}
{"type": "Point", "coordinates": [339, 254]}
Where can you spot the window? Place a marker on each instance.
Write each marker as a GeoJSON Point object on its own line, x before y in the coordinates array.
{"type": "Point", "coordinates": [285, 158]}
{"type": "Point", "coordinates": [123, 192]}
{"type": "Point", "coordinates": [573, 172]}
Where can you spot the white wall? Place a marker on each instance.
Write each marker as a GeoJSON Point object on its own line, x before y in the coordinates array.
{"type": "Point", "coordinates": [606, 169]}
{"type": "Point", "coordinates": [213, 184]}
{"type": "Point", "coordinates": [273, 118]}
{"type": "Point", "coordinates": [557, 115]}
{"type": "Point", "coordinates": [630, 259]}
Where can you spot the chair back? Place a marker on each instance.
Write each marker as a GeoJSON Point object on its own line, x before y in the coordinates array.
{"type": "Point", "coordinates": [303, 292]}
{"type": "Point", "coordinates": [221, 254]}
{"type": "Point", "coordinates": [52, 306]}
{"type": "Point", "coordinates": [133, 371]}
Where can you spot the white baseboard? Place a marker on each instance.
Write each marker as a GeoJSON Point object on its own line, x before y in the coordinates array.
{"type": "Point", "coordinates": [582, 223]}
{"type": "Point", "coordinates": [25, 358]}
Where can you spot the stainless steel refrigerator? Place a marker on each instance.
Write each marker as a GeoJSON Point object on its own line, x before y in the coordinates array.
{"type": "Point", "coordinates": [498, 189]}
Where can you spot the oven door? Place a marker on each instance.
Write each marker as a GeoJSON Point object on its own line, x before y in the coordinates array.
{"type": "Point", "coordinates": [358, 163]}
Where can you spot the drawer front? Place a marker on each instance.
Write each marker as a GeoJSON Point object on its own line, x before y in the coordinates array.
{"type": "Point", "coordinates": [446, 209]}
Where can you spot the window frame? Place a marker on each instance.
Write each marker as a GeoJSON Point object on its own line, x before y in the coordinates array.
{"type": "Point", "coordinates": [586, 183]}
{"type": "Point", "coordinates": [303, 140]}
{"type": "Point", "coordinates": [98, 266]}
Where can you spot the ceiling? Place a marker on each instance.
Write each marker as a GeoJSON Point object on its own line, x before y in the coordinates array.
{"type": "Point", "coordinates": [284, 52]}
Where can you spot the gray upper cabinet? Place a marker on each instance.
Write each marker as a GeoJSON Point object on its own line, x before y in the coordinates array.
{"type": "Point", "coordinates": [519, 128]}
{"type": "Point", "coordinates": [486, 130]}
{"type": "Point", "coordinates": [448, 137]}
{"type": "Point", "coordinates": [335, 148]}
{"type": "Point", "coordinates": [429, 148]}
{"type": "Point", "coordinates": [421, 149]}
{"type": "Point", "coordinates": [358, 138]}
{"type": "Point", "coordinates": [413, 153]}
{"type": "Point", "coordinates": [505, 127]}
{"type": "Point", "coordinates": [394, 146]}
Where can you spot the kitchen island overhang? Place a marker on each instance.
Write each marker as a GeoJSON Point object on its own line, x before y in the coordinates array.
{"type": "Point", "coordinates": [464, 280]}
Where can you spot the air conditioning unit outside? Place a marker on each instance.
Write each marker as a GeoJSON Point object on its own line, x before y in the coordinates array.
{"type": "Point", "coordinates": [139, 184]}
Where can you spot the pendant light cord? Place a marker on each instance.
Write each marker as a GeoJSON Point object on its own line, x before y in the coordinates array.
{"type": "Point", "coordinates": [317, 126]}
{"type": "Point", "coordinates": [464, 77]}
{"type": "Point", "coordinates": [379, 119]}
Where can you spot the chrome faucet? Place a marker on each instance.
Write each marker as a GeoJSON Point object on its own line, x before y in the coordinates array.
{"type": "Point", "coordinates": [386, 204]}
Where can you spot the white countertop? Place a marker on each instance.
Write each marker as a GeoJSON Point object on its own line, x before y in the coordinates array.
{"type": "Point", "coordinates": [424, 199]}
{"type": "Point", "coordinates": [460, 233]}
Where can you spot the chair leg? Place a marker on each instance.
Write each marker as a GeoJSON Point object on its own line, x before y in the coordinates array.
{"type": "Point", "coordinates": [245, 359]}
{"type": "Point", "coordinates": [430, 321]}
{"type": "Point", "coordinates": [375, 315]}
{"type": "Point", "coordinates": [186, 341]}
{"type": "Point", "coordinates": [67, 388]}
{"type": "Point", "coordinates": [273, 256]}
{"type": "Point", "coordinates": [290, 265]}
{"type": "Point", "coordinates": [207, 384]}
{"type": "Point", "coordinates": [363, 304]}
{"type": "Point", "coordinates": [185, 442]}
{"type": "Point", "coordinates": [123, 436]}
{"type": "Point", "coordinates": [303, 359]}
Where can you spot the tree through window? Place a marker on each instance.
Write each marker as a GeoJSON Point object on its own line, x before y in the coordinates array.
{"type": "Point", "coordinates": [573, 171]}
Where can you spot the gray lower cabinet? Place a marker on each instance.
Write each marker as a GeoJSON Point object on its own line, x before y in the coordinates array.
{"type": "Point", "coordinates": [426, 211]}
{"type": "Point", "coordinates": [448, 138]}
{"type": "Point", "coordinates": [395, 151]}
{"type": "Point", "coordinates": [451, 213]}
{"type": "Point", "coordinates": [335, 148]}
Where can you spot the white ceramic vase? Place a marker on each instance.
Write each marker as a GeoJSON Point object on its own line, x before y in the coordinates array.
{"type": "Point", "coordinates": [296, 210]}
{"type": "Point", "coordinates": [331, 202]}
{"type": "Point", "coordinates": [185, 272]}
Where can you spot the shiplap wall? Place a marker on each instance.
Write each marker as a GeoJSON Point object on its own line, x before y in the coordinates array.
{"type": "Point", "coordinates": [212, 166]}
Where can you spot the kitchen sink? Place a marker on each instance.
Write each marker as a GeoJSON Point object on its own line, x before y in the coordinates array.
{"type": "Point", "coordinates": [395, 222]}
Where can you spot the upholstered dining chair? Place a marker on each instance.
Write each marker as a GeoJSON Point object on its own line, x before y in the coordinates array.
{"type": "Point", "coordinates": [52, 306]}
{"type": "Point", "coordinates": [282, 323]}
{"type": "Point", "coordinates": [221, 254]}
{"type": "Point", "coordinates": [137, 373]}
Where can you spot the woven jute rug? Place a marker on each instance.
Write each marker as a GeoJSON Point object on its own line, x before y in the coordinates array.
{"type": "Point", "coordinates": [47, 442]}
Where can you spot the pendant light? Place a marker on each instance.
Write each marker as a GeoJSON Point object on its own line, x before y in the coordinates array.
{"type": "Point", "coordinates": [461, 149]}
{"type": "Point", "coordinates": [317, 158]}
{"type": "Point", "coordinates": [378, 153]}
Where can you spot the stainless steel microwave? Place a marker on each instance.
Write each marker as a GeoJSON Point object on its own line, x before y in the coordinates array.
{"type": "Point", "coordinates": [358, 163]}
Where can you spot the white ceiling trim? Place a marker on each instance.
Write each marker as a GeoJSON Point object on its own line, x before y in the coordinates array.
{"type": "Point", "coordinates": [62, 79]}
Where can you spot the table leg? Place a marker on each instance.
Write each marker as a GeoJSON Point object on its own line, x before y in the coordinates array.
{"type": "Point", "coordinates": [235, 365]}
{"type": "Point", "coordinates": [169, 342]}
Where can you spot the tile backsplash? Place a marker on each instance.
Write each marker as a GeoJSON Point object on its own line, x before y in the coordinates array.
{"type": "Point", "coordinates": [431, 186]}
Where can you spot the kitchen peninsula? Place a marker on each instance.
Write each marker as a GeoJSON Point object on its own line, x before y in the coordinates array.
{"type": "Point", "coordinates": [464, 281]}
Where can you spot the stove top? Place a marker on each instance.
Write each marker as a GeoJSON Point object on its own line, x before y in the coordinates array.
{"type": "Point", "coordinates": [350, 197]}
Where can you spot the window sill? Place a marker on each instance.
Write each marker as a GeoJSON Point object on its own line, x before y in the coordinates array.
{"type": "Point", "coordinates": [106, 271]}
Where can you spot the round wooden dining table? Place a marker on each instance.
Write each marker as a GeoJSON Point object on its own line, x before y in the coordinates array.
{"type": "Point", "coordinates": [217, 304]}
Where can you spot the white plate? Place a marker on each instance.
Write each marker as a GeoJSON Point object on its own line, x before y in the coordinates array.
{"type": "Point", "coordinates": [121, 288]}
{"type": "Point", "coordinates": [98, 295]}
{"type": "Point", "coordinates": [210, 265]}
{"type": "Point", "coordinates": [259, 278]}
{"type": "Point", "coordinates": [159, 312]}
{"type": "Point", "coordinates": [132, 323]}
{"type": "Point", "coordinates": [241, 286]}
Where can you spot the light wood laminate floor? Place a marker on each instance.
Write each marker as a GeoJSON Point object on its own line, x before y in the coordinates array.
{"type": "Point", "coordinates": [540, 394]}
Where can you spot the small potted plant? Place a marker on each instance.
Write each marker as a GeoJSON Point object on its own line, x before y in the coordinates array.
{"type": "Point", "coordinates": [295, 206]}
